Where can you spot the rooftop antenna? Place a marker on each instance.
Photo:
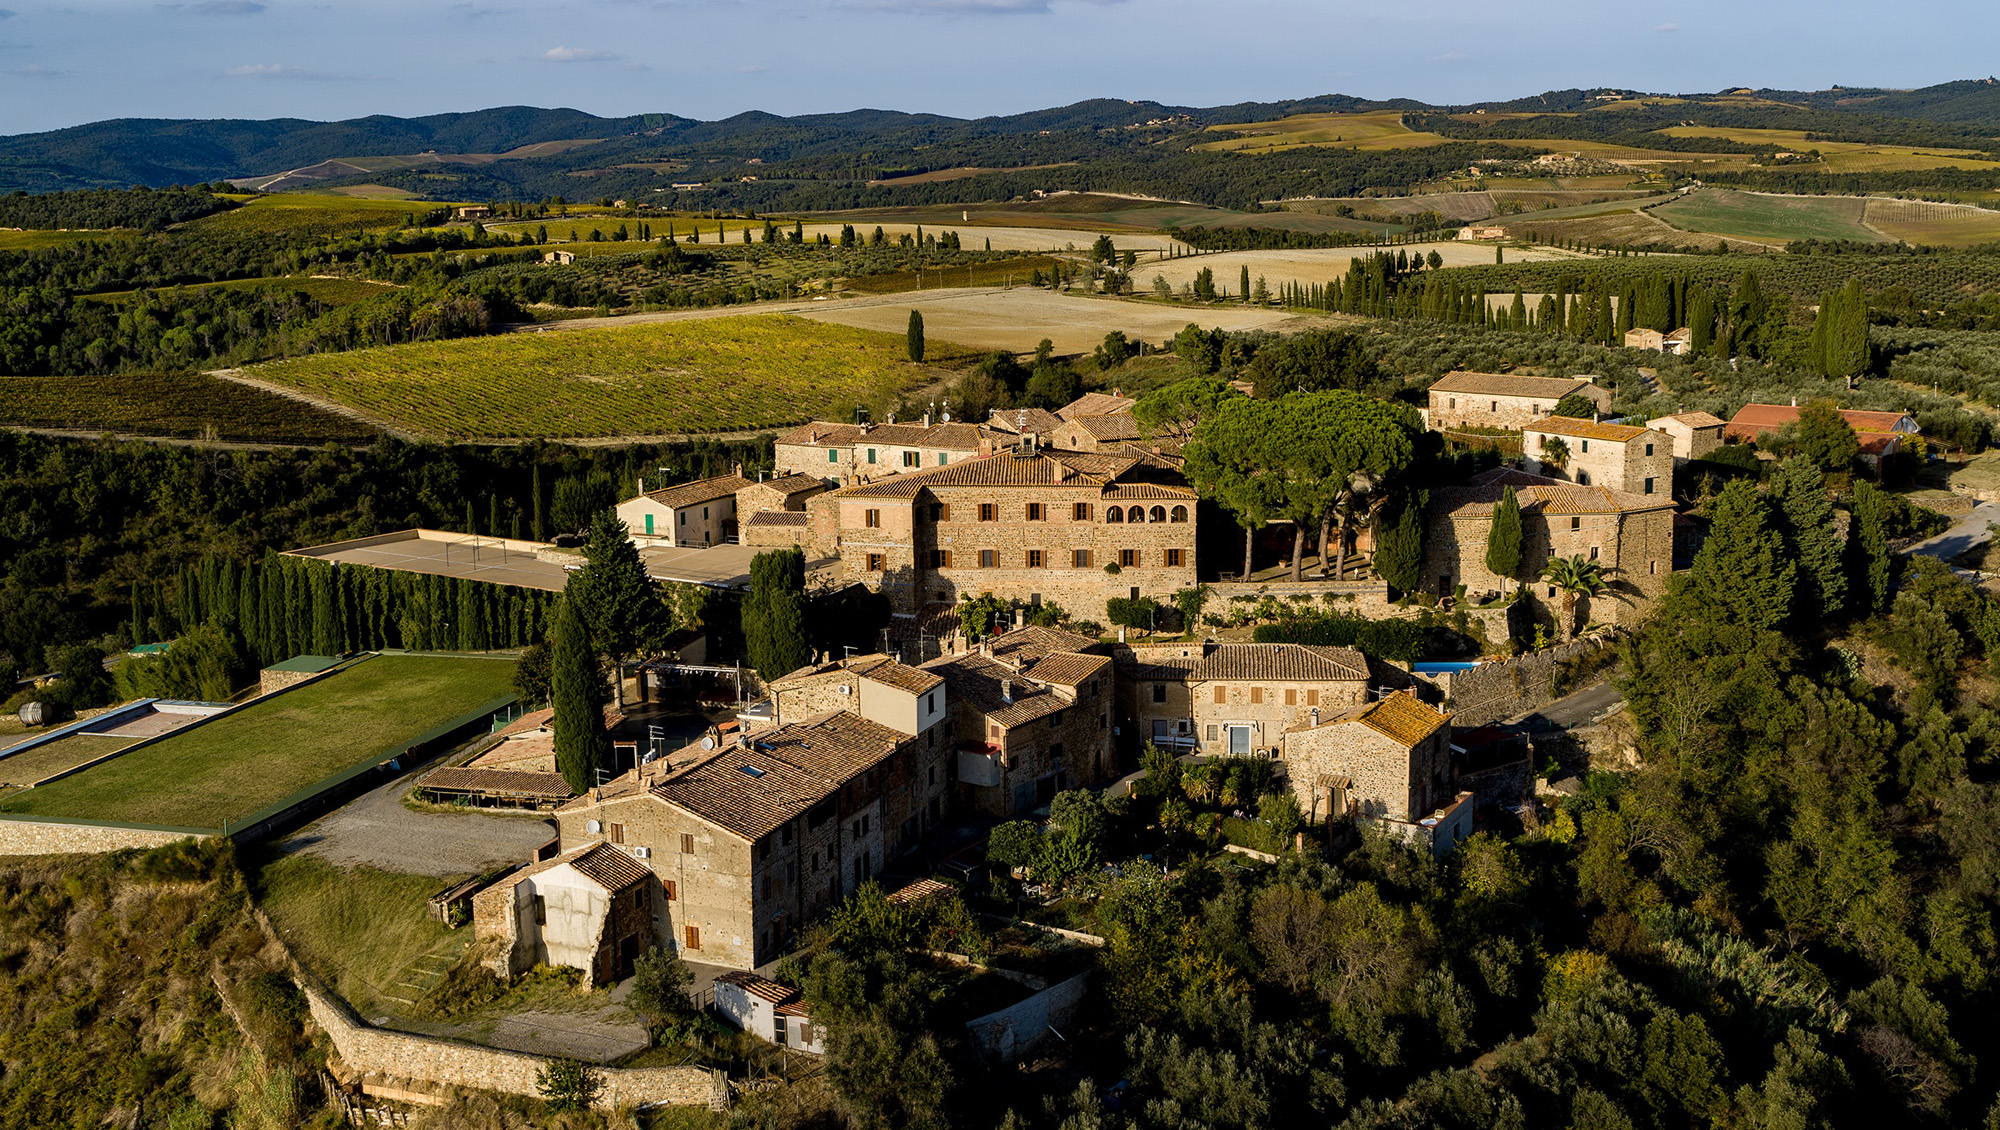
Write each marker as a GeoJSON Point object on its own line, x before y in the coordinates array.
{"type": "Point", "coordinates": [946, 418]}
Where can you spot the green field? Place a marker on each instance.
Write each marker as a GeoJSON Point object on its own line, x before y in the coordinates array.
{"type": "Point", "coordinates": [36, 240]}
{"type": "Point", "coordinates": [242, 762]}
{"type": "Point", "coordinates": [50, 758]}
{"type": "Point", "coordinates": [286, 213]}
{"type": "Point", "coordinates": [328, 291]}
{"type": "Point", "coordinates": [1751, 215]}
{"type": "Point", "coordinates": [710, 374]}
{"type": "Point", "coordinates": [186, 406]}
{"type": "Point", "coordinates": [1938, 225]}
{"type": "Point", "coordinates": [359, 927]}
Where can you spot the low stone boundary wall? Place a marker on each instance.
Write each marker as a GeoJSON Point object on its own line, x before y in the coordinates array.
{"type": "Point", "coordinates": [365, 1049]}
{"type": "Point", "coordinates": [54, 837]}
{"type": "Point", "coordinates": [1015, 1030]}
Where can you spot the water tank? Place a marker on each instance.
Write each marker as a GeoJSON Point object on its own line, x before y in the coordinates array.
{"type": "Point", "coordinates": [38, 714]}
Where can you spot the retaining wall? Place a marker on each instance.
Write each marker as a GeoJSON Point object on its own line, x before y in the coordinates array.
{"type": "Point", "coordinates": [1496, 691]}
{"type": "Point", "coordinates": [1015, 1030]}
{"type": "Point", "coordinates": [50, 837]}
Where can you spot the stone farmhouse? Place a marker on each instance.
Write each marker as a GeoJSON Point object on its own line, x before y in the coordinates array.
{"type": "Point", "coordinates": [1674, 342]}
{"type": "Point", "coordinates": [1694, 434]}
{"type": "Point", "coordinates": [1027, 525]}
{"type": "Point", "coordinates": [1881, 433]}
{"type": "Point", "coordinates": [1097, 433]}
{"type": "Point", "coordinates": [1630, 536]}
{"type": "Point", "coordinates": [699, 513]}
{"type": "Point", "coordinates": [846, 453]}
{"type": "Point", "coordinates": [1029, 723]}
{"type": "Point", "coordinates": [1236, 698]}
{"type": "Point", "coordinates": [1634, 460]}
{"type": "Point", "coordinates": [1388, 759]}
{"type": "Point", "coordinates": [742, 841]}
{"type": "Point", "coordinates": [591, 908]}
{"type": "Point", "coordinates": [1503, 400]}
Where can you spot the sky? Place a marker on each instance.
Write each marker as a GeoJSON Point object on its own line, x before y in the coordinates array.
{"type": "Point", "coordinates": [65, 64]}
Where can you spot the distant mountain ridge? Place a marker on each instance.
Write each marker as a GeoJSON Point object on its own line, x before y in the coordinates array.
{"type": "Point", "coordinates": [129, 151]}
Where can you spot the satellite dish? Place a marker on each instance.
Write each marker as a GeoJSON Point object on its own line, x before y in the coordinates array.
{"type": "Point", "coordinates": [592, 826]}
{"type": "Point", "coordinates": [708, 742]}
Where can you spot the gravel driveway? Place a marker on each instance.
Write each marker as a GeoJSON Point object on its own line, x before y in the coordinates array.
{"type": "Point", "coordinates": [375, 830]}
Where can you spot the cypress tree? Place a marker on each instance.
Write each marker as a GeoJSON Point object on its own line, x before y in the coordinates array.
{"type": "Point", "coordinates": [1243, 287]}
{"type": "Point", "coordinates": [1868, 550]}
{"type": "Point", "coordinates": [914, 336]}
{"type": "Point", "coordinates": [1742, 575]}
{"type": "Point", "coordinates": [576, 691]}
{"type": "Point", "coordinates": [1805, 519]}
{"type": "Point", "coordinates": [1399, 555]}
{"type": "Point", "coordinates": [138, 616]}
{"type": "Point", "coordinates": [540, 525]}
{"type": "Point", "coordinates": [774, 633]}
{"type": "Point", "coordinates": [325, 610]}
{"type": "Point", "coordinates": [1503, 538]}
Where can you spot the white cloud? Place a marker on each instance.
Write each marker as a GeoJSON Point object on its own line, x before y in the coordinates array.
{"type": "Point", "coordinates": [36, 70]}
{"type": "Point", "coordinates": [1451, 57]}
{"type": "Point", "coordinates": [579, 55]}
{"type": "Point", "coordinates": [278, 70]}
{"type": "Point", "coordinates": [961, 7]}
{"type": "Point", "coordinates": [1668, 27]}
{"type": "Point", "coordinates": [752, 69]}
{"type": "Point", "coordinates": [218, 8]}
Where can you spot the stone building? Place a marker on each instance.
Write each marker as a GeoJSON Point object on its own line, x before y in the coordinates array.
{"type": "Point", "coordinates": [1236, 698]}
{"type": "Point", "coordinates": [1693, 434]}
{"type": "Point", "coordinates": [699, 513]}
{"type": "Point", "coordinates": [1015, 422]}
{"type": "Point", "coordinates": [1029, 725]}
{"type": "Point", "coordinates": [776, 529]}
{"type": "Point", "coordinates": [1027, 525]}
{"type": "Point", "coordinates": [747, 839]}
{"type": "Point", "coordinates": [1675, 342]}
{"type": "Point", "coordinates": [1388, 759]}
{"type": "Point", "coordinates": [784, 494]}
{"type": "Point", "coordinates": [1503, 400]}
{"type": "Point", "coordinates": [840, 453]}
{"type": "Point", "coordinates": [1097, 433]}
{"type": "Point", "coordinates": [1634, 460]}
{"type": "Point", "coordinates": [1630, 536]}
{"type": "Point", "coordinates": [591, 908]}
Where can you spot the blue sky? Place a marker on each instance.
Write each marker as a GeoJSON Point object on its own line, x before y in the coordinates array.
{"type": "Point", "coordinates": [66, 64]}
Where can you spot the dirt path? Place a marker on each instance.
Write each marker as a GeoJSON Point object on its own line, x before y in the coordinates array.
{"type": "Point", "coordinates": [798, 306]}
{"type": "Point", "coordinates": [332, 406]}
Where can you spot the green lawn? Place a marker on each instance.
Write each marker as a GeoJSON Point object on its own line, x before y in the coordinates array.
{"type": "Point", "coordinates": [1750, 215]}
{"type": "Point", "coordinates": [50, 758]}
{"type": "Point", "coordinates": [242, 762]}
{"type": "Point", "coordinates": [358, 927]}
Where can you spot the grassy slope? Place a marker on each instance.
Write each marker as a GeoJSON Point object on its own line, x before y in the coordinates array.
{"type": "Point", "coordinates": [183, 406]}
{"type": "Point", "coordinates": [29, 766]}
{"type": "Point", "coordinates": [1755, 216]}
{"type": "Point", "coordinates": [320, 215]}
{"type": "Point", "coordinates": [711, 374]}
{"type": "Point", "coordinates": [230, 768]}
{"type": "Point", "coordinates": [357, 927]}
{"type": "Point", "coordinates": [333, 292]}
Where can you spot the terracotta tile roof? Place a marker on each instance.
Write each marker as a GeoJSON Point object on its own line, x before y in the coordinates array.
{"type": "Point", "coordinates": [1754, 418]}
{"type": "Point", "coordinates": [1146, 492]}
{"type": "Point", "coordinates": [779, 518]}
{"type": "Point", "coordinates": [1014, 421]}
{"type": "Point", "coordinates": [513, 782]}
{"type": "Point", "coordinates": [1509, 384]}
{"type": "Point", "coordinates": [1168, 669]}
{"type": "Point", "coordinates": [608, 867]}
{"type": "Point", "coordinates": [793, 483]}
{"type": "Point", "coordinates": [794, 1008]}
{"type": "Point", "coordinates": [1401, 717]}
{"type": "Point", "coordinates": [1030, 645]}
{"type": "Point", "coordinates": [1280, 662]}
{"type": "Point", "coordinates": [918, 890]}
{"type": "Point", "coordinates": [1586, 429]}
{"type": "Point", "coordinates": [699, 491]}
{"type": "Point", "coordinates": [1006, 468]}
{"type": "Point", "coordinates": [1069, 670]}
{"type": "Point", "coordinates": [1115, 426]}
{"type": "Point", "coordinates": [1095, 404]}
{"type": "Point", "coordinates": [537, 719]}
{"type": "Point", "coordinates": [982, 683]}
{"type": "Point", "coordinates": [890, 673]}
{"type": "Point", "coordinates": [1690, 419]}
{"type": "Point", "coordinates": [750, 792]}
{"type": "Point", "coordinates": [758, 987]}
{"type": "Point", "coordinates": [1477, 496]}
{"type": "Point", "coordinates": [1682, 334]}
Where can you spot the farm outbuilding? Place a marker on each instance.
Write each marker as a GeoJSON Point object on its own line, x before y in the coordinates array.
{"type": "Point", "coordinates": [767, 1010]}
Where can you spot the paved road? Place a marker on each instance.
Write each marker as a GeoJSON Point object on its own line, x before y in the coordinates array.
{"type": "Point", "coordinates": [375, 830]}
{"type": "Point", "coordinates": [1971, 532]}
{"type": "Point", "coordinates": [1580, 708]}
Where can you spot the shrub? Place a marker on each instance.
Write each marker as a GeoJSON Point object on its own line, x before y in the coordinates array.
{"type": "Point", "coordinates": [1401, 640]}
{"type": "Point", "coordinates": [568, 1084]}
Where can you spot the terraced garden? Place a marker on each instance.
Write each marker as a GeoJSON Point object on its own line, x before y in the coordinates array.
{"type": "Point", "coordinates": [712, 374]}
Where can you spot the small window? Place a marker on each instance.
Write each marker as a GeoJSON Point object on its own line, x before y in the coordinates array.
{"type": "Point", "coordinates": [1180, 514]}
{"type": "Point", "coordinates": [1159, 692]}
{"type": "Point", "coordinates": [1221, 695]}
{"type": "Point", "coordinates": [871, 455]}
{"type": "Point", "coordinates": [1174, 558]}
{"type": "Point", "coordinates": [1583, 478]}
{"type": "Point", "coordinates": [1649, 451]}
{"type": "Point", "coordinates": [1653, 567]}
{"type": "Point", "coordinates": [1114, 514]}
{"type": "Point", "coordinates": [1256, 696]}
{"type": "Point", "coordinates": [1128, 559]}
{"type": "Point", "coordinates": [680, 517]}
{"type": "Point", "coordinates": [541, 911]}
{"type": "Point", "coordinates": [1312, 698]}
{"type": "Point", "coordinates": [913, 458]}
{"type": "Point", "coordinates": [1494, 406]}
{"type": "Point", "coordinates": [877, 562]}
{"type": "Point", "coordinates": [872, 519]}
{"type": "Point", "coordinates": [1159, 514]}
{"type": "Point", "coordinates": [1035, 512]}
{"type": "Point", "coordinates": [1586, 447]}
{"type": "Point", "coordinates": [942, 458]}
{"type": "Point", "coordinates": [616, 833]}
{"type": "Point", "coordinates": [1037, 559]}
{"type": "Point", "coordinates": [1552, 592]}
{"type": "Point", "coordinates": [1080, 558]}
{"type": "Point", "coordinates": [832, 456]}
{"type": "Point", "coordinates": [1212, 731]}
{"type": "Point", "coordinates": [1291, 697]}
{"type": "Point", "coordinates": [988, 512]}
{"type": "Point", "coordinates": [687, 843]}
{"type": "Point", "coordinates": [1593, 553]}
{"type": "Point", "coordinates": [1080, 512]}
{"type": "Point", "coordinates": [673, 892]}
{"type": "Point", "coordinates": [989, 559]}
{"type": "Point", "coordinates": [1649, 483]}
{"type": "Point", "coordinates": [694, 937]}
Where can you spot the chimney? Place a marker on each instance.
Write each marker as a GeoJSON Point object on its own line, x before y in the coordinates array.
{"type": "Point", "coordinates": [1315, 716]}
{"type": "Point", "coordinates": [1795, 402]}
{"type": "Point", "coordinates": [642, 484]}
{"type": "Point", "coordinates": [927, 419]}
{"type": "Point", "coordinates": [1116, 391]}
{"type": "Point", "coordinates": [739, 470]}
{"type": "Point", "coordinates": [1007, 691]}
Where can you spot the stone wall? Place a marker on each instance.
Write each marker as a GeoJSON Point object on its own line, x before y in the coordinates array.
{"type": "Point", "coordinates": [364, 1049]}
{"type": "Point", "coordinates": [1015, 1030]}
{"type": "Point", "coordinates": [271, 681]}
{"type": "Point", "coordinates": [1635, 549]}
{"type": "Point", "coordinates": [1495, 691]}
{"type": "Point", "coordinates": [35, 837]}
